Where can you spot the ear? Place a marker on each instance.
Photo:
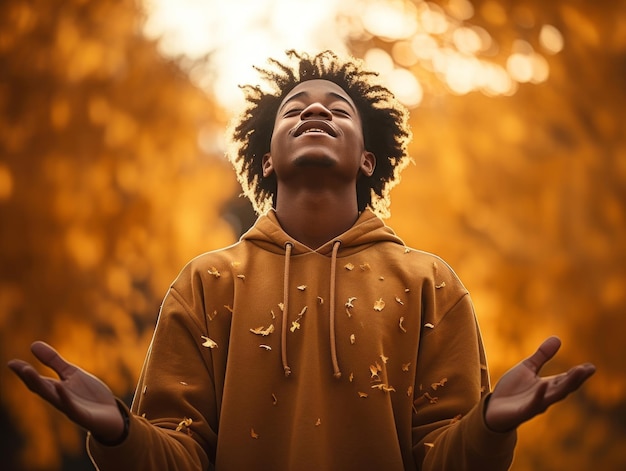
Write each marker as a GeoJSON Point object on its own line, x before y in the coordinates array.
{"type": "Point", "coordinates": [268, 167]}
{"type": "Point", "coordinates": [368, 163]}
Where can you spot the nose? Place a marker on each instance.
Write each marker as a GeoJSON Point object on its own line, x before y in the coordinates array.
{"type": "Point", "coordinates": [316, 110]}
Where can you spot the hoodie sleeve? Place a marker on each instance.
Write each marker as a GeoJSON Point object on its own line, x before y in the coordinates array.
{"type": "Point", "coordinates": [173, 424]}
{"type": "Point", "coordinates": [452, 386]}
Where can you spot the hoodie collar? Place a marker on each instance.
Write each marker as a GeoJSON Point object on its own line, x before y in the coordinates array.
{"type": "Point", "coordinates": [368, 229]}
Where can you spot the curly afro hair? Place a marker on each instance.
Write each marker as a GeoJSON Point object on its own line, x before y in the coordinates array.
{"type": "Point", "coordinates": [385, 126]}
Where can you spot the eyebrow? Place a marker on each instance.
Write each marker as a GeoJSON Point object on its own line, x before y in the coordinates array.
{"type": "Point", "coordinates": [305, 93]}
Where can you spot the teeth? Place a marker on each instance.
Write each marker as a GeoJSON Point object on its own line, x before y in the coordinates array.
{"type": "Point", "coordinates": [313, 130]}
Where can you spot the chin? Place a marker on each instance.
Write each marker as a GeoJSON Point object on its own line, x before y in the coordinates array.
{"type": "Point", "coordinates": [322, 161]}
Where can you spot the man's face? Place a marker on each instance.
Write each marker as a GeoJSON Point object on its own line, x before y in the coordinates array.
{"type": "Point", "coordinates": [317, 126]}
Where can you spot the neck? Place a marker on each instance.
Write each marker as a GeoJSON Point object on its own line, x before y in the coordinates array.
{"type": "Point", "coordinates": [316, 217]}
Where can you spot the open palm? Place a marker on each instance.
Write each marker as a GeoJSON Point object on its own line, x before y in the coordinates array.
{"type": "Point", "coordinates": [521, 393]}
{"type": "Point", "coordinates": [82, 397]}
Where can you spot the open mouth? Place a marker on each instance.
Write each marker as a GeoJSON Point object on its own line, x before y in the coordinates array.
{"type": "Point", "coordinates": [315, 127]}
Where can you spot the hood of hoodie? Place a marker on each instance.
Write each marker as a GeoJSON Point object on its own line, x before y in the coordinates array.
{"type": "Point", "coordinates": [269, 235]}
{"type": "Point", "coordinates": [368, 229]}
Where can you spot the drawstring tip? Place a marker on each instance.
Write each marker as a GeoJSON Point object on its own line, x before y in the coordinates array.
{"type": "Point", "coordinates": [337, 374]}
{"type": "Point", "coordinates": [287, 371]}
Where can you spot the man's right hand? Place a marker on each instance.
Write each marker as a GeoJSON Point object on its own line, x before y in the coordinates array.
{"type": "Point", "coordinates": [82, 397]}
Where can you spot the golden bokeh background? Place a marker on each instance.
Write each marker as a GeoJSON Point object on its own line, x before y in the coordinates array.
{"type": "Point", "coordinates": [112, 177]}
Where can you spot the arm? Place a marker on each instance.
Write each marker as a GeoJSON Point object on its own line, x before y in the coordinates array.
{"type": "Point", "coordinates": [483, 437]}
{"type": "Point", "coordinates": [162, 440]}
{"type": "Point", "coordinates": [449, 431]}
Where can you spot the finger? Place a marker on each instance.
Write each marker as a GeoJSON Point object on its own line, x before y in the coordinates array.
{"type": "Point", "coordinates": [566, 383]}
{"type": "Point", "coordinates": [50, 357]}
{"type": "Point", "coordinates": [545, 352]}
{"type": "Point", "coordinates": [44, 387]}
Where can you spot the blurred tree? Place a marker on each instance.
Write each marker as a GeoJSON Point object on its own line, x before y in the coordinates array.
{"type": "Point", "coordinates": [108, 185]}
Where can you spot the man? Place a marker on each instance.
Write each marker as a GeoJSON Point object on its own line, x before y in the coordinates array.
{"type": "Point", "coordinates": [319, 340]}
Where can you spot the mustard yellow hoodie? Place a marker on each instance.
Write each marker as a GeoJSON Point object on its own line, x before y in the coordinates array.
{"type": "Point", "coordinates": [267, 355]}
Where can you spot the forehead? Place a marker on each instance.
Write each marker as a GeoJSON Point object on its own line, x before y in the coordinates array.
{"type": "Point", "coordinates": [318, 88]}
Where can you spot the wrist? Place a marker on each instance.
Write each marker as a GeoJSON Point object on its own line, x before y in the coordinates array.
{"type": "Point", "coordinates": [117, 439]}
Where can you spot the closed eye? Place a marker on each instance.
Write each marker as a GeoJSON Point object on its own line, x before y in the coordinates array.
{"type": "Point", "coordinates": [292, 112]}
{"type": "Point", "coordinates": [341, 111]}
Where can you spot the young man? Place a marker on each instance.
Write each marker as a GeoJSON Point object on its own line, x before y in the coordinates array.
{"type": "Point", "coordinates": [319, 340]}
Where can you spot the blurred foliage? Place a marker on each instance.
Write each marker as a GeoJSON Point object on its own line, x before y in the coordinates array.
{"type": "Point", "coordinates": [105, 192]}
{"type": "Point", "coordinates": [111, 178]}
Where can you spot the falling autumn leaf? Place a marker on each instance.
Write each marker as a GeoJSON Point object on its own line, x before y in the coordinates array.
{"type": "Point", "coordinates": [208, 342]}
{"type": "Point", "coordinates": [264, 331]}
{"type": "Point", "coordinates": [184, 424]}
{"type": "Point", "coordinates": [402, 328]}
{"type": "Point", "coordinates": [379, 305]}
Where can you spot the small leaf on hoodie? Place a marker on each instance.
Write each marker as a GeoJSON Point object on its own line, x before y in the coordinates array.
{"type": "Point", "coordinates": [302, 287]}
{"type": "Point", "coordinates": [379, 305]}
{"type": "Point", "coordinates": [441, 285]}
{"type": "Point", "coordinates": [296, 324]}
{"type": "Point", "coordinates": [266, 347]}
{"type": "Point", "coordinates": [242, 277]}
{"type": "Point", "coordinates": [352, 339]}
{"type": "Point", "coordinates": [362, 395]}
{"type": "Point", "coordinates": [264, 331]}
{"type": "Point", "coordinates": [274, 399]}
{"type": "Point", "coordinates": [399, 301]}
{"type": "Point", "coordinates": [407, 250]}
{"type": "Point", "coordinates": [184, 424]}
{"type": "Point", "coordinates": [235, 264]}
{"type": "Point", "coordinates": [384, 358]}
{"type": "Point", "coordinates": [439, 384]}
{"type": "Point", "coordinates": [281, 306]}
{"type": "Point", "coordinates": [349, 305]}
{"type": "Point", "coordinates": [212, 316]}
{"type": "Point", "coordinates": [318, 422]}
{"type": "Point", "coordinates": [374, 370]}
{"type": "Point", "coordinates": [349, 266]}
{"type": "Point", "coordinates": [208, 342]}
{"type": "Point", "coordinates": [364, 266]}
{"type": "Point", "coordinates": [351, 377]}
{"type": "Point", "coordinates": [320, 300]}
{"type": "Point", "coordinates": [409, 391]}
{"type": "Point", "coordinates": [253, 434]}
{"type": "Point", "coordinates": [405, 366]}
{"type": "Point", "coordinates": [213, 271]}
{"type": "Point", "coordinates": [384, 387]}
{"type": "Point", "coordinates": [429, 325]}
{"type": "Point", "coordinates": [401, 326]}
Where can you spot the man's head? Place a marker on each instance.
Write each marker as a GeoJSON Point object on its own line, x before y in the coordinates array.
{"type": "Point", "coordinates": [384, 126]}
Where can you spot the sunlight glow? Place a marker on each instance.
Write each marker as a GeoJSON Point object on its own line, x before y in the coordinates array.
{"type": "Point", "coordinates": [422, 36]}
